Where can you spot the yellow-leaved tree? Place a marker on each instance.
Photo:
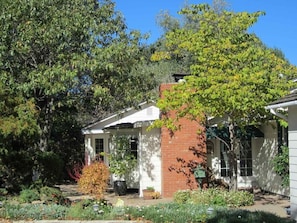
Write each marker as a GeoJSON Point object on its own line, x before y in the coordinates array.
{"type": "Point", "coordinates": [233, 75]}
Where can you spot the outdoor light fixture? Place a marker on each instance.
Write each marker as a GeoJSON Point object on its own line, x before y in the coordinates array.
{"type": "Point", "coordinates": [210, 210]}
{"type": "Point", "coordinates": [95, 207]}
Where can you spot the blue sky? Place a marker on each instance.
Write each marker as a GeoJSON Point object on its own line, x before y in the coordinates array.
{"type": "Point", "coordinates": [277, 29]}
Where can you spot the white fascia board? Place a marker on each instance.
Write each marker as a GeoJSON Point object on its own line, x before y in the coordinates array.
{"type": "Point", "coordinates": [151, 103]}
{"type": "Point", "coordinates": [282, 105]}
{"type": "Point", "coordinates": [92, 131]}
{"type": "Point", "coordinates": [150, 113]}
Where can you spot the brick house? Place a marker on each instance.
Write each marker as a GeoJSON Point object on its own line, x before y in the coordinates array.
{"type": "Point", "coordinates": [166, 161]}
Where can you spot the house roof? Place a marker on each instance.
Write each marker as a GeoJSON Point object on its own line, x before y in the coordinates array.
{"type": "Point", "coordinates": [128, 118]}
{"type": "Point", "coordinates": [288, 100]}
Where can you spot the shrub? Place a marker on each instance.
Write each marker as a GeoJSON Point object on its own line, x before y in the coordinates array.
{"type": "Point", "coordinates": [212, 196]}
{"type": "Point", "coordinates": [281, 165]}
{"type": "Point", "coordinates": [15, 170]}
{"type": "Point", "coordinates": [28, 195]}
{"type": "Point", "coordinates": [84, 210]}
{"type": "Point", "coordinates": [244, 216]}
{"type": "Point", "coordinates": [75, 171]}
{"type": "Point", "coordinates": [94, 179]}
{"type": "Point", "coordinates": [182, 196]}
{"type": "Point", "coordinates": [52, 195]}
{"type": "Point", "coordinates": [3, 192]}
{"type": "Point", "coordinates": [50, 167]}
{"type": "Point", "coordinates": [80, 211]}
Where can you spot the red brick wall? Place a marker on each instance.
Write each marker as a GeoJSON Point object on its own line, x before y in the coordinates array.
{"type": "Point", "coordinates": [181, 152]}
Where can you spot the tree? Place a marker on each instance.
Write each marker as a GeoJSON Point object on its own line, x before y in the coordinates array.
{"type": "Point", "coordinates": [64, 58]}
{"type": "Point", "coordinates": [234, 75]}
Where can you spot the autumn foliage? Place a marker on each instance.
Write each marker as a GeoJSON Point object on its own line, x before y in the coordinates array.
{"type": "Point", "coordinates": [94, 179]}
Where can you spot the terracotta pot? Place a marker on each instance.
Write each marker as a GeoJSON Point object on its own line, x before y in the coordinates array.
{"type": "Point", "coordinates": [147, 194]}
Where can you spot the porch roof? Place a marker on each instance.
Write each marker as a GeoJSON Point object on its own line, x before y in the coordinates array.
{"type": "Point", "coordinates": [223, 133]}
{"type": "Point", "coordinates": [129, 118]}
{"type": "Point", "coordinates": [288, 100]}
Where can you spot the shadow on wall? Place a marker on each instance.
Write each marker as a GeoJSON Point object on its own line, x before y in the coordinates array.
{"type": "Point", "coordinates": [151, 156]}
{"type": "Point", "coordinates": [267, 148]}
{"type": "Point", "coordinates": [186, 166]}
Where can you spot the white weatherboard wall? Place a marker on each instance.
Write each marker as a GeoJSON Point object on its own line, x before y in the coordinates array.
{"type": "Point", "coordinates": [293, 160]}
{"type": "Point", "coordinates": [150, 160]}
{"type": "Point", "coordinates": [264, 152]}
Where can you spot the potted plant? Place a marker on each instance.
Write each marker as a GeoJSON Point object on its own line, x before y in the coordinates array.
{"type": "Point", "coordinates": [121, 162]}
{"type": "Point", "coordinates": [148, 193]}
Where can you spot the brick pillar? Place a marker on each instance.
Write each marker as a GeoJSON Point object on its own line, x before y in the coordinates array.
{"type": "Point", "coordinates": [180, 153]}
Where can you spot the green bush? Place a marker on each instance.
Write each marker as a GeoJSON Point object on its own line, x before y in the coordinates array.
{"type": "Point", "coordinates": [52, 195]}
{"type": "Point", "coordinates": [281, 165]}
{"type": "Point", "coordinates": [30, 211]}
{"type": "Point", "coordinates": [83, 210]}
{"type": "Point", "coordinates": [15, 169]}
{"type": "Point", "coordinates": [182, 196]}
{"type": "Point", "coordinates": [213, 196]}
{"type": "Point", "coordinates": [78, 211]}
{"type": "Point", "coordinates": [244, 216]}
{"type": "Point", "coordinates": [3, 192]}
{"type": "Point", "coordinates": [50, 167]}
{"type": "Point", "coordinates": [28, 195]}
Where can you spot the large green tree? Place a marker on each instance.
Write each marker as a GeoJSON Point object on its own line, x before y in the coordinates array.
{"type": "Point", "coordinates": [68, 58]}
{"type": "Point", "coordinates": [234, 76]}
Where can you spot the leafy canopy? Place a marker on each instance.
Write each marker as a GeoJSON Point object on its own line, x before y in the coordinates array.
{"type": "Point", "coordinates": [233, 75]}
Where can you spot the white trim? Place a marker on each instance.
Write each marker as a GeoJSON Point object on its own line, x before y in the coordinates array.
{"type": "Point", "coordinates": [282, 105]}
{"type": "Point", "coordinates": [274, 112]}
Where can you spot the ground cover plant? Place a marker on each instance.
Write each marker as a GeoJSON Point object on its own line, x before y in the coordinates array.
{"type": "Point", "coordinates": [185, 208]}
{"type": "Point", "coordinates": [169, 212]}
{"type": "Point", "coordinates": [215, 196]}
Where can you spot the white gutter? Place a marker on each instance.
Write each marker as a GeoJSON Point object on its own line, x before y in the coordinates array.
{"type": "Point", "coordinates": [273, 108]}
{"type": "Point", "coordinates": [274, 111]}
{"type": "Point", "coordinates": [282, 105]}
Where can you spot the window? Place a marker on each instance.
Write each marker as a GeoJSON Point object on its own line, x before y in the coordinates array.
{"type": "Point", "coordinates": [99, 148]}
{"type": "Point", "coordinates": [246, 161]}
{"type": "Point", "coordinates": [282, 137]}
{"type": "Point", "coordinates": [245, 156]}
{"type": "Point", "coordinates": [225, 169]}
{"type": "Point", "coordinates": [134, 146]}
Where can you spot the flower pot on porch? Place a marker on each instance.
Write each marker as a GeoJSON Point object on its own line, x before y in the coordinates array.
{"type": "Point", "coordinates": [120, 187]}
{"type": "Point", "coordinates": [147, 194]}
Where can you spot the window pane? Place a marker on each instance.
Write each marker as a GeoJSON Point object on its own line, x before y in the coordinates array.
{"type": "Point", "coordinates": [99, 148]}
{"type": "Point", "coordinates": [134, 146]}
{"type": "Point", "coordinates": [246, 162]}
{"type": "Point", "coordinates": [242, 172]}
{"type": "Point", "coordinates": [249, 172]}
{"type": "Point", "coordinates": [225, 171]}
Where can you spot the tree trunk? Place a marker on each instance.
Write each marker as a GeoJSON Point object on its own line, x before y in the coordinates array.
{"type": "Point", "coordinates": [232, 158]}
{"type": "Point", "coordinates": [46, 125]}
